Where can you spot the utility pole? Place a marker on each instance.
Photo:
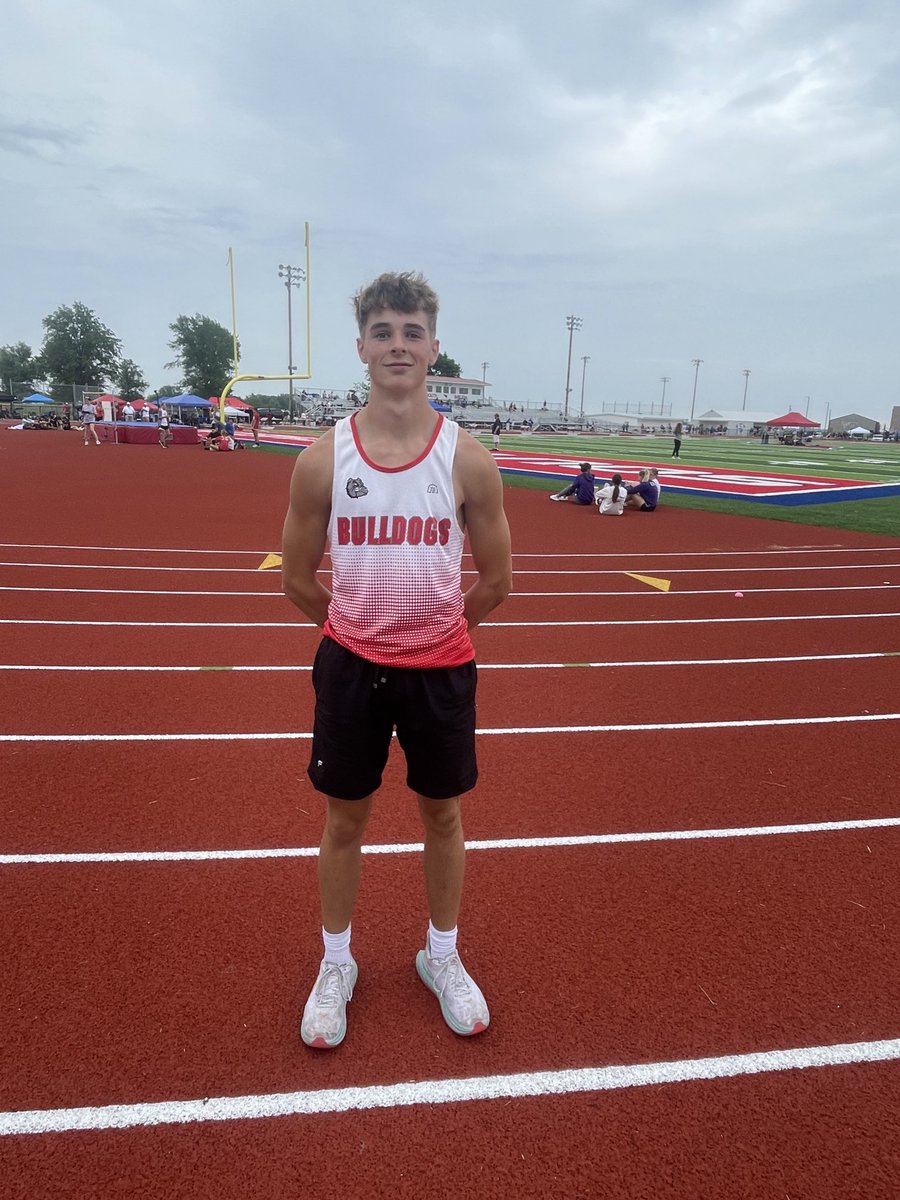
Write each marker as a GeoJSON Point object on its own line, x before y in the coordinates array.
{"type": "Point", "coordinates": [807, 405]}
{"type": "Point", "coordinates": [572, 323]}
{"type": "Point", "coordinates": [585, 359]}
{"type": "Point", "coordinates": [695, 362]}
{"type": "Point", "coordinates": [484, 367]}
{"type": "Point", "coordinates": [293, 277]}
{"type": "Point", "coordinates": [746, 375]}
{"type": "Point", "coordinates": [664, 379]}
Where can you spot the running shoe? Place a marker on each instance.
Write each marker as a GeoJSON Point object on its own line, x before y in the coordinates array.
{"type": "Point", "coordinates": [324, 1023]}
{"type": "Point", "coordinates": [463, 1006]}
{"type": "Point", "coordinates": [553, 496]}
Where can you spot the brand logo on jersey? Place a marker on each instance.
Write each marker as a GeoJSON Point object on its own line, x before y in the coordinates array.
{"type": "Point", "coordinates": [356, 488]}
{"type": "Point", "coordinates": [392, 531]}
{"type": "Point", "coordinates": [432, 489]}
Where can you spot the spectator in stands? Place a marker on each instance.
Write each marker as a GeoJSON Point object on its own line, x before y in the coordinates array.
{"type": "Point", "coordinates": [581, 489]}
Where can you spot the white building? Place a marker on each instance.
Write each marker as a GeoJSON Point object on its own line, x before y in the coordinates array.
{"type": "Point", "coordinates": [456, 391]}
{"type": "Point", "coordinates": [736, 420]}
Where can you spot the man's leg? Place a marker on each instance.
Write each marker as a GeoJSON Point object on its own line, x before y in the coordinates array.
{"type": "Point", "coordinates": [324, 1022]}
{"type": "Point", "coordinates": [463, 1005]}
{"type": "Point", "coordinates": [340, 860]}
{"type": "Point", "coordinates": [445, 859]}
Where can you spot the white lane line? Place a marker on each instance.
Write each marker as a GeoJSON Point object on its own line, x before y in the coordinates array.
{"type": "Point", "coordinates": [532, 843]}
{"type": "Point", "coordinates": [295, 735]}
{"type": "Point", "coordinates": [634, 622]}
{"type": "Point", "coordinates": [773, 551]}
{"type": "Point", "coordinates": [514, 595]}
{"type": "Point", "coordinates": [482, 666]}
{"type": "Point", "coordinates": [517, 571]}
{"type": "Point", "coordinates": [446, 1091]}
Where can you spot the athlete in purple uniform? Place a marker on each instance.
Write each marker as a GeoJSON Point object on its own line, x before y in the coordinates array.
{"type": "Point", "coordinates": [581, 490]}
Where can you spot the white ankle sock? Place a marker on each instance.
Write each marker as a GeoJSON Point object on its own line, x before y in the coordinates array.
{"type": "Point", "coordinates": [441, 943]}
{"type": "Point", "coordinates": [337, 946]}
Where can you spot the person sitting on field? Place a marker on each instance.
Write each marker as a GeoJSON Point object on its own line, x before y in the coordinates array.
{"type": "Point", "coordinates": [611, 497]}
{"type": "Point", "coordinates": [642, 495]}
{"type": "Point", "coordinates": [654, 480]}
{"type": "Point", "coordinates": [581, 489]}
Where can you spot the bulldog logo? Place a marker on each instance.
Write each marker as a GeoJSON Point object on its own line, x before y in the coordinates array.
{"type": "Point", "coordinates": [356, 488]}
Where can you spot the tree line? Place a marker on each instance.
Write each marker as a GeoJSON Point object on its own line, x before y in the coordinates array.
{"type": "Point", "coordinates": [79, 349]}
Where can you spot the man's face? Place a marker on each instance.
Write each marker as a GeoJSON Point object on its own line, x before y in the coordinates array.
{"type": "Point", "coordinates": [397, 348]}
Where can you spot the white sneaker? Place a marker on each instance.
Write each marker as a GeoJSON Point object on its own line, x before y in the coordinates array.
{"type": "Point", "coordinates": [463, 1006]}
{"type": "Point", "coordinates": [553, 496]}
{"type": "Point", "coordinates": [324, 1023]}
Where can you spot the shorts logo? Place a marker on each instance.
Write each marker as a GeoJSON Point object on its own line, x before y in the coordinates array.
{"type": "Point", "coordinates": [356, 488]}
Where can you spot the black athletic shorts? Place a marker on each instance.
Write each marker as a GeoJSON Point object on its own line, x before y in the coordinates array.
{"type": "Point", "coordinates": [358, 704]}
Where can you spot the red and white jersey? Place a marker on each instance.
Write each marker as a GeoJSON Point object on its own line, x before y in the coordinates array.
{"type": "Point", "coordinates": [396, 549]}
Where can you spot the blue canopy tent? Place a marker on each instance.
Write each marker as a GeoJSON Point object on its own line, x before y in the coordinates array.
{"type": "Point", "coordinates": [185, 401]}
{"type": "Point", "coordinates": [38, 398]}
{"type": "Point", "coordinates": [439, 407]}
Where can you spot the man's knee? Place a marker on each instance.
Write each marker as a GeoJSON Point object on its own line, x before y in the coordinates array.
{"type": "Point", "coordinates": [345, 820]}
{"type": "Point", "coordinates": [440, 818]}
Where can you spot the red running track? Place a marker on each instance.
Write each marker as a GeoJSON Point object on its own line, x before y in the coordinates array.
{"type": "Point", "coordinates": [154, 982]}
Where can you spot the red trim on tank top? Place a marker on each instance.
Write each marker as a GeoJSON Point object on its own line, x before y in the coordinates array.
{"type": "Point", "coordinates": [406, 466]}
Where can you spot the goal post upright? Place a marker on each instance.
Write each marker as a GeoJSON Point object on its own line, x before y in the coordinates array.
{"type": "Point", "coordinates": [239, 378]}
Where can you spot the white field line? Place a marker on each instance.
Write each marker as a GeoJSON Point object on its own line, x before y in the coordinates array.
{"type": "Point", "coordinates": [533, 843]}
{"type": "Point", "coordinates": [628, 554]}
{"type": "Point", "coordinates": [296, 735]}
{"type": "Point", "coordinates": [644, 570]}
{"type": "Point", "coordinates": [445, 1091]}
{"type": "Point", "coordinates": [633, 623]}
{"type": "Point", "coordinates": [650, 662]}
{"type": "Point", "coordinates": [514, 595]}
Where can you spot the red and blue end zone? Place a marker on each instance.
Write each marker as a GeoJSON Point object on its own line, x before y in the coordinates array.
{"type": "Point", "coordinates": [758, 486]}
{"type": "Point", "coordinates": [761, 487]}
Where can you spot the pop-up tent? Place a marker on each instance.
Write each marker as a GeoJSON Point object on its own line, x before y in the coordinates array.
{"type": "Point", "coordinates": [859, 431]}
{"type": "Point", "coordinates": [792, 420]}
{"type": "Point", "coordinates": [38, 398]}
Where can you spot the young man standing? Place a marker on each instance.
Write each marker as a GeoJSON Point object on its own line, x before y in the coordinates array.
{"type": "Point", "coordinates": [393, 489]}
{"type": "Point", "coordinates": [496, 429]}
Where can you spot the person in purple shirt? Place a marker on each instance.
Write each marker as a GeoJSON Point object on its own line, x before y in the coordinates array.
{"type": "Point", "coordinates": [581, 490]}
{"type": "Point", "coordinates": [642, 495]}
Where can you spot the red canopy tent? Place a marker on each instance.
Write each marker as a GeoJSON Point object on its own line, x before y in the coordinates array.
{"type": "Point", "coordinates": [792, 420]}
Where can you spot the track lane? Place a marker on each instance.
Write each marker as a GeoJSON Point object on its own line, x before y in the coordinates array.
{"type": "Point", "coordinates": [186, 981]}
{"type": "Point", "coordinates": [131, 797]}
{"type": "Point", "coordinates": [763, 1135]}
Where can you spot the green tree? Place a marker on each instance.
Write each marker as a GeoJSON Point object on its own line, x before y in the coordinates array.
{"type": "Point", "coordinates": [78, 348]}
{"type": "Point", "coordinates": [163, 393]}
{"type": "Point", "coordinates": [130, 382]}
{"type": "Point", "coordinates": [18, 366]}
{"type": "Point", "coordinates": [204, 353]}
{"type": "Point", "coordinates": [446, 366]}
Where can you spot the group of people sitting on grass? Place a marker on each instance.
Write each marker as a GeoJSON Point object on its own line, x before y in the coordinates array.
{"type": "Point", "coordinates": [614, 496]}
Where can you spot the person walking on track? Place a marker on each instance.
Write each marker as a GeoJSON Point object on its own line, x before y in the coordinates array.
{"type": "Point", "coordinates": [393, 489]}
{"type": "Point", "coordinates": [676, 440]}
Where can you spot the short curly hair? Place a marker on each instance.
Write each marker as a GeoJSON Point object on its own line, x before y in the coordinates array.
{"type": "Point", "coordinates": [403, 291]}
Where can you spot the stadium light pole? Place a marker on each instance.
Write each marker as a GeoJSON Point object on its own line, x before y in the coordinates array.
{"type": "Point", "coordinates": [807, 405]}
{"type": "Point", "coordinates": [664, 379]}
{"type": "Point", "coordinates": [696, 365]}
{"type": "Point", "coordinates": [293, 277]}
{"type": "Point", "coordinates": [585, 359]}
{"type": "Point", "coordinates": [572, 323]}
{"type": "Point", "coordinates": [746, 375]}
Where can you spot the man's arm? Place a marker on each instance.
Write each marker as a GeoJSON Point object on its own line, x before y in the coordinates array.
{"type": "Point", "coordinates": [306, 528]}
{"type": "Point", "coordinates": [486, 525]}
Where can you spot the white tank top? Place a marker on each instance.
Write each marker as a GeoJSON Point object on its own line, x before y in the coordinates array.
{"type": "Point", "coordinates": [396, 549]}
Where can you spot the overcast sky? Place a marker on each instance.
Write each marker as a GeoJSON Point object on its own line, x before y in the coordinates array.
{"type": "Point", "coordinates": [715, 180]}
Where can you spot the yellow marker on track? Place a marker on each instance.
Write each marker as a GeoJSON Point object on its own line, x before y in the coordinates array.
{"type": "Point", "coordinates": [270, 561]}
{"type": "Point", "coordinates": [661, 585]}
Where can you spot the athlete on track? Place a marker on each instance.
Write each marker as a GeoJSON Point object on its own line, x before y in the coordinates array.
{"type": "Point", "coordinates": [392, 490]}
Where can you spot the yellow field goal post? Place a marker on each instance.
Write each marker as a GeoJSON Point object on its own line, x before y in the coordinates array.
{"type": "Point", "coordinates": [242, 378]}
